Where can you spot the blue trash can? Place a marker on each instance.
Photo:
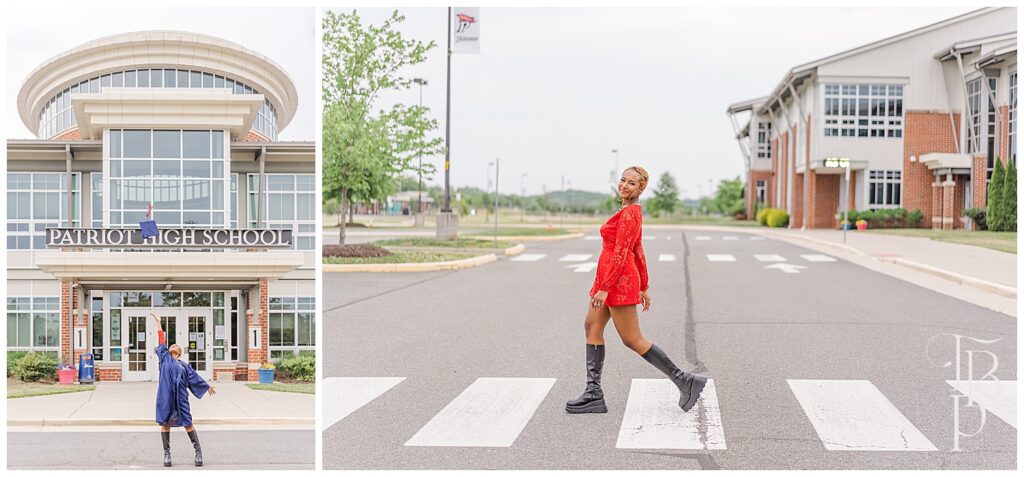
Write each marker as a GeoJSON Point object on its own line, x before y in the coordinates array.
{"type": "Point", "coordinates": [86, 369]}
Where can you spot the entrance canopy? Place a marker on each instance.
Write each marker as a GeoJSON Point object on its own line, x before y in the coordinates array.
{"type": "Point", "coordinates": [177, 270]}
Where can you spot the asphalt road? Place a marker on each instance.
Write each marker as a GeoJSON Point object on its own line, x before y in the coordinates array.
{"type": "Point", "coordinates": [828, 345]}
{"type": "Point", "coordinates": [222, 450]}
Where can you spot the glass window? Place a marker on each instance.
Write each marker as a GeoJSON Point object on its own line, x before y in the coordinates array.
{"type": "Point", "coordinates": [167, 144]}
{"type": "Point", "coordinates": [196, 144]}
{"type": "Point", "coordinates": [218, 144]}
{"type": "Point", "coordinates": [207, 80]}
{"type": "Point", "coordinates": [36, 201]}
{"type": "Point", "coordinates": [129, 79]}
{"type": "Point", "coordinates": [115, 143]}
{"type": "Point", "coordinates": [143, 78]}
{"type": "Point", "coordinates": [170, 79]}
{"type": "Point", "coordinates": [182, 79]}
{"type": "Point", "coordinates": [197, 298]}
{"type": "Point", "coordinates": [137, 143]}
{"type": "Point", "coordinates": [196, 79]}
{"type": "Point", "coordinates": [156, 78]}
{"type": "Point", "coordinates": [117, 79]}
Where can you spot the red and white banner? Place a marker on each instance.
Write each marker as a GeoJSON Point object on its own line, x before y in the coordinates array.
{"type": "Point", "coordinates": [466, 30]}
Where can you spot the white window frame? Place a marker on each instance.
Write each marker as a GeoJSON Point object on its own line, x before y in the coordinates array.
{"type": "Point", "coordinates": [22, 227]}
{"type": "Point", "coordinates": [858, 107]}
{"type": "Point", "coordinates": [884, 178]}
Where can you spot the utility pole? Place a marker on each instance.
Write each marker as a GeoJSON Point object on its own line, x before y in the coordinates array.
{"type": "Point", "coordinates": [497, 166]}
{"type": "Point", "coordinates": [522, 198]}
{"type": "Point", "coordinates": [447, 222]}
{"type": "Point", "coordinates": [419, 216]}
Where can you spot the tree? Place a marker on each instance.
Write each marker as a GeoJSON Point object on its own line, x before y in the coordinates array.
{"type": "Point", "coordinates": [728, 198]}
{"type": "Point", "coordinates": [994, 216]}
{"type": "Point", "coordinates": [364, 149]}
{"type": "Point", "coordinates": [1010, 197]}
{"type": "Point", "coordinates": [666, 196]}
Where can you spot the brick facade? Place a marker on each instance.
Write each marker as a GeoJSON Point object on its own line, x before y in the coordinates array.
{"type": "Point", "coordinates": [825, 200]}
{"type": "Point", "coordinates": [755, 176]}
{"type": "Point", "coordinates": [69, 135]}
{"type": "Point", "coordinates": [254, 136]}
{"type": "Point", "coordinates": [796, 219]}
{"type": "Point", "coordinates": [261, 355]}
{"type": "Point", "coordinates": [925, 132]}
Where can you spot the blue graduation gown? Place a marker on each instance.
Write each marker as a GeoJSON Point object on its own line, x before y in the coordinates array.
{"type": "Point", "coordinates": [177, 378]}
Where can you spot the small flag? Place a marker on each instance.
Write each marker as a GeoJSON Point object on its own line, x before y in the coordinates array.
{"type": "Point", "coordinates": [466, 31]}
{"type": "Point", "coordinates": [149, 226]}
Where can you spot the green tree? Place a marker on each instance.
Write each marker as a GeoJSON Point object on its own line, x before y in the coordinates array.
{"type": "Point", "coordinates": [666, 196]}
{"type": "Point", "coordinates": [1010, 197]}
{"type": "Point", "coordinates": [728, 198]}
{"type": "Point", "coordinates": [994, 213]}
{"type": "Point", "coordinates": [363, 149]}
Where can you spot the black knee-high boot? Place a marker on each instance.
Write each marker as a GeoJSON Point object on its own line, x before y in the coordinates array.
{"type": "Point", "coordinates": [690, 385]}
{"type": "Point", "coordinates": [199, 450]}
{"type": "Point", "coordinates": [592, 399]}
{"type": "Point", "coordinates": [166, 438]}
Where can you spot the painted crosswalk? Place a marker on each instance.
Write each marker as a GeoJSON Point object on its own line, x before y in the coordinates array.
{"type": "Point", "coordinates": [853, 415]}
{"type": "Point", "coordinates": [528, 257]}
{"type": "Point", "coordinates": [575, 257]}
{"type": "Point", "coordinates": [728, 257]}
{"type": "Point", "coordinates": [584, 267]}
{"type": "Point", "coordinates": [716, 257]}
{"type": "Point", "coordinates": [702, 237]}
{"type": "Point", "coordinates": [769, 258]}
{"type": "Point", "coordinates": [653, 419]}
{"type": "Point", "coordinates": [813, 257]}
{"type": "Point", "coordinates": [491, 412]}
{"type": "Point", "coordinates": [592, 237]}
{"type": "Point", "coordinates": [666, 257]}
{"type": "Point", "coordinates": [845, 415]}
{"type": "Point", "coordinates": [346, 395]}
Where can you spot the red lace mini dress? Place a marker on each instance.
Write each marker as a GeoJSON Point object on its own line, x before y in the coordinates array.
{"type": "Point", "coordinates": [622, 268]}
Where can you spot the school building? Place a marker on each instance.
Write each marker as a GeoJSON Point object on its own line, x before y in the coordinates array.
{"type": "Point", "coordinates": [919, 118]}
{"type": "Point", "coordinates": [187, 124]}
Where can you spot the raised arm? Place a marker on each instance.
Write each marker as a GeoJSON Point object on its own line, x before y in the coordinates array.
{"type": "Point", "coordinates": [161, 348]}
{"type": "Point", "coordinates": [626, 236]}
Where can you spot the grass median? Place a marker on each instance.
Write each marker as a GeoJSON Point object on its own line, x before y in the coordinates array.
{"type": "Point", "coordinates": [1001, 241]}
{"type": "Point", "coordinates": [22, 390]}
{"type": "Point", "coordinates": [400, 257]}
{"type": "Point", "coordinates": [303, 388]}
{"type": "Point", "coordinates": [522, 232]}
{"type": "Point", "coordinates": [429, 242]}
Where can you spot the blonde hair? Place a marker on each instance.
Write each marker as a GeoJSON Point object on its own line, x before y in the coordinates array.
{"type": "Point", "coordinates": [644, 177]}
{"type": "Point", "coordinates": [175, 350]}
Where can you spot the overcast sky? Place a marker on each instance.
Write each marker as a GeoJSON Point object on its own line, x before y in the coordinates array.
{"type": "Point", "coordinates": [285, 35]}
{"type": "Point", "coordinates": [555, 89]}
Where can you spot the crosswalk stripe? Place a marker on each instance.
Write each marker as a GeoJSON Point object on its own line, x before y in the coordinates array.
{"type": "Point", "coordinates": [721, 258]}
{"type": "Point", "coordinates": [649, 237]}
{"type": "Point", "coordinates": [491, 412]}
{"type": "Point", "coordinates": [575, 257]}
{"type": "Point", "coordinates": [653, 419]}
{"type": "Point", "coordinates": [729, 237]}
{"type": "Point", "coordinates": [528, 257]}
{"type": "Point", "coordinates": [583, 267]}
{"type": "Point", "coordinates": [756, 238]}
{"type": "Point", "coordinates": [666, 257]}
{"type": "Point", "coordinates": [853, 415]}
{"type": "Point", "coordinates": [703, 237]}
{"type": "Point", "coordinates": [592, 237]}
{"type": "Point", "coordinates": [668, 238]}
{"type": "Point", "coordinates": [998, 397]}
{"type": "Point", "coordinates": [346, 395]}
{"type": "Point", "coordinates": [814, 257]}
{"type": "Point", "coordinates": [769, 258]}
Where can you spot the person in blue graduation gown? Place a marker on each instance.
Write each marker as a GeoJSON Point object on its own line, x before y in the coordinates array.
{"type": "Point", "coordinates": [177, 379]}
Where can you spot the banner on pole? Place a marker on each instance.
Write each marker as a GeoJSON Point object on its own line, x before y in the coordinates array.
{"type": "Point", "coordinates": [466, 30]}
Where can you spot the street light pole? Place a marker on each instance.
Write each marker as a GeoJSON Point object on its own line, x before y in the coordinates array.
{"type": "Point", "coordinates": [611, 179]}
{"type": "Point", "coordinates": [562, 220]}
{"type": "Point", "coordinates": [497, 168]}
{"type": "Point", "coordinates": [487, 192]}
{"type": "Point", "coordinates": [522, 198]}
{"type": "Point", "coordinates": [448, 122]}
{"type": "Point", "coordinates": [422, 82]}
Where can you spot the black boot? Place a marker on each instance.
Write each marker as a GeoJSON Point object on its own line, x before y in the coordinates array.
{"type": "Point", "coordinates": [166, 438]}
{"type": "Point", "coordinates": [690, 385]}
{"type": "Point", "coordinates": [199, 450]}
{"type": "Point", "coordinates": [592, 399]}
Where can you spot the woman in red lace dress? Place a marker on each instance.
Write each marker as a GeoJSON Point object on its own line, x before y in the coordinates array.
{"type": "Point", "coordinates": [620, 285]}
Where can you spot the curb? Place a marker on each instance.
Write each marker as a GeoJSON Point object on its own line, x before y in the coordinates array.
{"type": "Point", "coordinates": [270, 421]}
{"type": "Point", "coordinates": [513, 250]}
{"type": "Point", "coordinates": [412, 267]}
{"type": "Point", "coordinates": [960, 279]}
{"type": "Point", "coordinates": [528, 238]}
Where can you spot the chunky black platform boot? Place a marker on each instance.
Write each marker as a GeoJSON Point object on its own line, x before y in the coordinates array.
{"type": "Point", "coordinates": [199, 450]}
{"type": "Point", "coordinates": [166, 438]}
{"type": "Point", "coordinates": [592, 399]}
{"type": "Point", "coordinates": [690, 385]}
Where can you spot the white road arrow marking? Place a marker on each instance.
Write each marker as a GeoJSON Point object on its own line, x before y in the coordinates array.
{"type": "Point", "coordinates": [583, 267]}
{"type": "Point", "coordinates": [787, 267]}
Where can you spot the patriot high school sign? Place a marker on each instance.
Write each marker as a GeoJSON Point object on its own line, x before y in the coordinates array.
{"type": "Point", "coordinates": [168, 238]}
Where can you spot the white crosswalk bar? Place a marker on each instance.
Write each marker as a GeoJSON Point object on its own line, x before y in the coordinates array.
{"type": "Point", "coordinates": [653, 419]}
{"type": "Point", "coordinates": [769, 258]}
{"type": "Point", "coordinates": [729, 237]}
{"type": "Point", "coordinates": [666, 257]}
{"type": "Point", "coordinates": [702, 237]}
{"type": "Point", "coordinates": [814, 257]}
{"type": "Point", "coordinates": [575, 257]}
{"type": "Point", "coordinates": [592, 237]}
{"type": "Point", "coordinates": [756, 238]}
{"type": "Point", "coordinates": [721, 258]}
{"type": "Point", "coordinates": [343, 396]}
{"type": "Point", "coordinates": [491, 412]}
{"type": "Point", "coordinates": [583, 267]}
{"type": "Point", "coordinates": [528, 257]}
{"type": "Point", "coordinates": [998, 397]}
{"type": "Point", "coordinates": [853, 415]}
{"type": "Point", "coordinates": [650, 237]}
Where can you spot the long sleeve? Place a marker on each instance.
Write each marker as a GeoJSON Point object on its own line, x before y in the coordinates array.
{"type": "Point", "coordinates": [195, 382]}
{"type": "Point", "coordinates": [161, 352]}
{"type": "Point", "coordinates": [641, 264]}
{"type": "Point", "coordinates": [626, 236]}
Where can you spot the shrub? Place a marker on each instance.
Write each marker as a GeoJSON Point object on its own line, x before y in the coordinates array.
{"type": "Point", "coordinates": [915, 218]}
{"type": "Point", "coordinates": [762, 216]}
{"type": "Point", "coordinates": [35, 366]}
{"type": "Point", "coordinates": [977, 215]}
{"type": "Point", "coordinates": [851, 215]}
{"type": "Point", "coordinates": [1010, 198]}
{"type": "Point", "coordinates": [357, 250]}
{"type": "Point", "coordinates": [301, 367]}
{"type": "Point", "coordinates": [778, 218]}
{"type": "Point", "coordinates": [994, 215]}
{"type": "Point", "coordinates": [13, 357]}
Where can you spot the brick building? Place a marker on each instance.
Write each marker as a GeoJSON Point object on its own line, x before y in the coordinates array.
{"type": "Point", "coordinates": [920, 118]}
{"type": "Point", "coordinates": [188, 124]}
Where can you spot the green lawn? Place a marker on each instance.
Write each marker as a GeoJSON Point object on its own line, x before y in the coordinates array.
{"type": "Point", "coordinates": [1001, 241]}
{"type": "Point", "coordinates": [400, 257]}
{"type": "Point", "coordinates": [520, 232]}
{"type": "Point", "coordinates": [22, 390]}
{"type": "Point", "coordinates": [429, 242]}
{"type": "Point", "coordinates": [304, 388]}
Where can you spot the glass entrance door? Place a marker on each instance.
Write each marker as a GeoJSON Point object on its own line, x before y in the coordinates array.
{"type": "Point", "coordinates": [137, 366]}
{"type": "Point", "coordinates": [199, 341]}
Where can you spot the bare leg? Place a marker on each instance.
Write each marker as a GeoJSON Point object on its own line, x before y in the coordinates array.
{"type": "Point", "coordinates": [628, 325]}
{"type": "Point", "coordinates": [593, 325]}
